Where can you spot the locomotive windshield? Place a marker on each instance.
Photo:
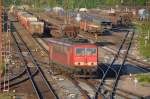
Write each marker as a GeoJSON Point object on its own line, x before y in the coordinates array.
{"type": "Point", "coordinates": [85, 51]}
{"type": "Point", "coordinates": [80, 51]}
{"type": "Point", "coordinates": [91, 51]}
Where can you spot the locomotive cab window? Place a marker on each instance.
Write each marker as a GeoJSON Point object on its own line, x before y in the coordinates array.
{"type": "Point", "coordinates": [80, 51]}
{"type": "Point", "coordinates": [91, 51]}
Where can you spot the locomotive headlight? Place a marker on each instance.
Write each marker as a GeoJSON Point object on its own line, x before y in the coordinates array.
{"type": "Point", "coordinates": [92, 63]}
{"type": "Point", "coordinates": [79, 63]}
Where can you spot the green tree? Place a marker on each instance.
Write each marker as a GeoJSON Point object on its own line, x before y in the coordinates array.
{"type": "Point", "coordinates": [76, 3]}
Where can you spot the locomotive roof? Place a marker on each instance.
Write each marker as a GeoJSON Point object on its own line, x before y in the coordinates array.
{"type": "Point", "coordinates": [37, 22]}
{"type": "Point", "coordinates": [68, 42]}
{"type": "Point", "coordinates": [26, 15]}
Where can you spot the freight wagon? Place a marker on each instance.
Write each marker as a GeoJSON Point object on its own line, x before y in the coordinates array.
{"type": "Point", "coordinates": [36, 28]}
{"type": "Point", "coordinates": [89, 27]}
{"type": "Point", "coordinates": [30, 23]}
{"type": "Point", "coordinates": [121, 19]}
{"type": "Point", "coordinates": [97, 26]}
{"type": "Point", "coordinates": [59, 28]}
{"type": "Point", "coordinates": [73, 54]}
{"type": "Point", "coordinates": [65, 30]}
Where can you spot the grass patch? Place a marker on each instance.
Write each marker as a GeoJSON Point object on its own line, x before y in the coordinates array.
{"type": "Point", "coordinates": [143, 78]}
{"type": "Point", "coordinates": [6, 96]}
{"type": "Point", "coordinates": [2, 69]}
{"type": "Point", "coordinates": [143, 28]}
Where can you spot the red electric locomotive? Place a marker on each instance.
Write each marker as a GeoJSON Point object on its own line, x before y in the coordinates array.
{"type": "Point", "coordinates": [74, 54]}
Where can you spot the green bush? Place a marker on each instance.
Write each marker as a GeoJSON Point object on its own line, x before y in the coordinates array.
{"type": "Point", "coordinates": [143, 28]}
{"type": "Point", "coordinates": [75, 3]}
{"type": "Point", "coordinates": [143, 78]}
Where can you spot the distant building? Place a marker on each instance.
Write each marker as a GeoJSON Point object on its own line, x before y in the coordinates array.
{"type": "Point", "coordinates": [58, 9]}
{"type": "Point", "coordinates": [143, 14]}
{"type": "Point", "coordinates": [83, 9]}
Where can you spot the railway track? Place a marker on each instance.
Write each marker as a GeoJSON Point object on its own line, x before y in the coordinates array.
{"type": "Point", "coordinates": [113, 51]}
{"type": "Point", "coordinates": [133, 60]}
{"type": "Point", "coordinates": [92, 84]}
{"type": "Point", "coordinates": [20, 78]}
{"type": "Point", "coordinates": [83, 91]}
{"type": "Point", "coordinates": [130, 58]}
{"type": "Point", "coordinates": [108, 87]}
{"type": "Point", "coordinates": [45, 81]}
{"type": "Point", "coordinates": [142, 66]}
{"type": "Point", "coordinates": [71, 79]}
{"type": "Point", "coordinates": [35, 86]}
{"type": "Point", "coordinates": [117, 73]}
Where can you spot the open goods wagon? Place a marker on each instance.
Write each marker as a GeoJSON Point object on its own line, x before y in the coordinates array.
{"type": "Point", "coordinates": [121, 19]}
{"type": "Point", "coordinates": [97, 26]}
{"type": "Point", "coordinates": [58, 25]}
{"type": "Point", "coordinates": [65, 30]}
{"type": "Point", "coordinates": [30, 23]}
{"type": "Point", "coordinates": [89, 27]}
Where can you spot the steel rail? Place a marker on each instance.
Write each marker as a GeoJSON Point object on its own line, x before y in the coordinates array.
{"type": "Point", "coordinates": [19, 82]}
{"type": "Point", "coordinates": [111, 68]}
{"type": "Point", "coordinates": [84, 92]}
{"type": "Point", "coordinates": [18, 76]}
{"type": "Point", "coordinates": [119, 71]}
{"type": "Point", "coordinates": [14, 78]}
{"type": "Point", "coordinates": [107, 87]}
{"type": "Point", "coordinates": [129, 58]}
{"type": "Point", "coordinates": [116, 56]}
{"type": "Point", "coordinates": [39, 68]}
{"type": "Point", "coordinates": [101, 69]}
{"type": "Point", "coordinates": [35, 86]}
{"type": "Point", "coordinates": [72, 79]}
{"type": "Point", "coordinates": [41, 45]}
